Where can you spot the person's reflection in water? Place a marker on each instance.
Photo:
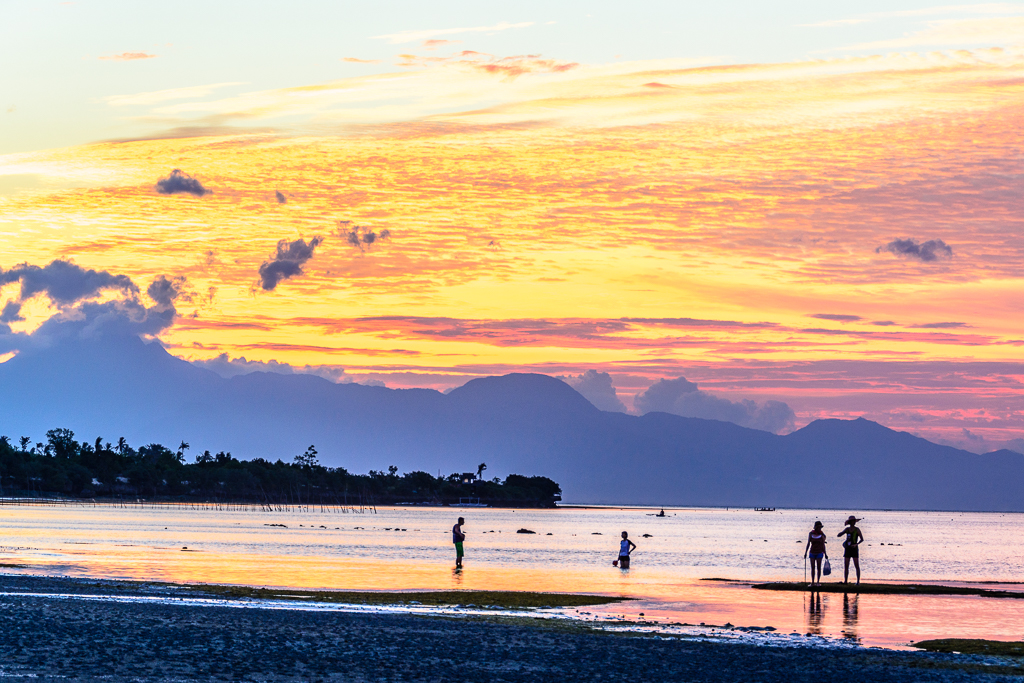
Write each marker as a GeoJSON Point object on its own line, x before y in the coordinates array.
{"type": "Point", "coordinates": [815, 613]}
{"type": "Point", "coordinates": [850, 615]}
{"type": "Point", "coordinates": [457, 577]}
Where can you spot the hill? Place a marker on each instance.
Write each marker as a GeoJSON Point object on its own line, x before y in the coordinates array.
{"type": "Point", "coordinates": [116, 386]}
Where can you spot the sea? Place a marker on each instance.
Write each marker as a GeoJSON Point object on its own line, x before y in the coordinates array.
{"type": "Point", "coordinates": [693, 566]}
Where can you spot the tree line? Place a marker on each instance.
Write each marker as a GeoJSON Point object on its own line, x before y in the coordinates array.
{"type": "Point", "coordinates": [64, 466]}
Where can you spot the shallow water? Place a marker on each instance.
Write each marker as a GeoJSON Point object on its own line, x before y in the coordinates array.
{"type": "Point", "coordinates": [410, 548]}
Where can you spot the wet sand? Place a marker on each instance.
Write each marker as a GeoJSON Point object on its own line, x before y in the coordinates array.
{"type": "Point", "coordinates": [888, 589]}
{"type": "Point", "coordinates": [52, 638]}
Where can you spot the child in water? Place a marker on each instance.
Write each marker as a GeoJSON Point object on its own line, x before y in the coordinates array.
{"type": "Point", "coordinates": [625, 548]}
{"type": "Point", "coordinates": [458, 536]}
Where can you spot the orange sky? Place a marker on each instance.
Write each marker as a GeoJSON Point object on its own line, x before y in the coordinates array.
{"type": "Point", "coordinates": [653, 219]}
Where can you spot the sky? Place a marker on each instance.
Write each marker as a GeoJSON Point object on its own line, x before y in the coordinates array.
{"type": "Point", "coordinates": [788, 204]}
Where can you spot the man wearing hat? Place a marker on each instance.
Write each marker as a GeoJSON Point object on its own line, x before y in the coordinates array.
{"type": "Point", "coordinates": [851, 549]}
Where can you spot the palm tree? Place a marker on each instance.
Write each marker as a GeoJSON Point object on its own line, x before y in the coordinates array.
{"type": "Point", "coordinates": [480, 470]}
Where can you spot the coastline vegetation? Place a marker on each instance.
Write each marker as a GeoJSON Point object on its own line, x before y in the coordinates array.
{"type": "Point", "coordinates": [64, 466]}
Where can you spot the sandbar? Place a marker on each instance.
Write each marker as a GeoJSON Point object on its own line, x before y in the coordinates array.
{"type": "Point", "coordinates": [886, 589]}
{"type": "Point", "coordinates": [50, 631]}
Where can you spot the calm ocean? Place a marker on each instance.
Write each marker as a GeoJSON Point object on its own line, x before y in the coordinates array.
{"type": "Point", "coordinates": [570, 551]}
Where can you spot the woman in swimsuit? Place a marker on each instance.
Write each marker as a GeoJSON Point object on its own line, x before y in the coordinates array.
{"type": "Point", "coordinates": [816, 545]}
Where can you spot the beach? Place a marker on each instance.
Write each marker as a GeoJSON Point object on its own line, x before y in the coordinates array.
{"type": "Point", "coordinates": [673, 579]}
{"type": "Point", "coordinates": [47, 637]}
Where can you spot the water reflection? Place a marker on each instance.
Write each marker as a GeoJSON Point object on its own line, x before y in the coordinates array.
{"type": "Point", "coordinates": [816, 609]}
{"type": "Point", "coordinates": [850, 605]}
{"type": "Point", "coordinates": [357, 552]}
{"type": "Point", "coordinates": [815, 612]}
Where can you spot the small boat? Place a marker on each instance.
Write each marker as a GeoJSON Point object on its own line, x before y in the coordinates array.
{"type": "Point", "coordinates": [764, 509]}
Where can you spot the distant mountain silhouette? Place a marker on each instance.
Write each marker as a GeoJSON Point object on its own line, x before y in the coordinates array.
{"type": "Point", "coordinates": [531, 424]}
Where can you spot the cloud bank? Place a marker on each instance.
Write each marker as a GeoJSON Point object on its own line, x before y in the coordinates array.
{"type": "Point", "coordinates": [597, 388]}
{"type": "Point", "coordinates": [228, 367]}
{"type": "Point", "coordinates": [287, 262]}
{"type": "Point", "coordinates": [75, 290]}
{"type": "Point", "coordinates": [837, 317]}
{"type": "Point", "coordinates": [360, 236]}
{"type": "Point", "coordinates": [929, 251]}
{"type": "Point", "coordinates": [180, 182]}
{"type": "Point", "coordinates": [682, 397]}
{"type": "Point", "coordinates": [63, 281]}
{"type": "Point", "coordinates": [164, 290]}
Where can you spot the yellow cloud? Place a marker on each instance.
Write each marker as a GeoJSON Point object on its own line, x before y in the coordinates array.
{"type": "Point", "coordinates": [146, 99]}
{"type": "Point", "coordinates": [994, 31]}
{"type": "Point", "coordinates": [743, 196]}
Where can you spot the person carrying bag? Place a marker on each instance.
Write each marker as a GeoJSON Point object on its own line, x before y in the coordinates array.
{"type": "Point", "coordinates": [816, 548]}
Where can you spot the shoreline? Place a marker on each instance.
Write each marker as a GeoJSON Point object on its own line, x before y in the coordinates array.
{"type": "Point", "coordinates": [563, 608]}
{"type": "Point", "coordinates": [51, 628]}
{"type": "Point", "coordinates": [886, 589]}
{"type": "Point", "coordinates": [136, 501]}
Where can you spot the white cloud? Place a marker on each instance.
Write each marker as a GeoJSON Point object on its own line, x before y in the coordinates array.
{"type": "Point", "coordinates": [990, 32]}
{"type": "Point", "coordinates": [985, 8]}
{"type": "Point", "coordinates": [474, 89]}
{"type": "Point", "coordinates": [681, 397]}
{"type": "Point", "coordinates": [150, 98]}
{"type": "Point", "coordinates": [418, 36]}
{"type": "Point", "coordinates": [834, 22]}
{"type": "Point", "coordinates": [948, 10]}
{"type": "Point", "coordinates": [597, 388]}
{"type": "Point", "coordinates": [228, 367]}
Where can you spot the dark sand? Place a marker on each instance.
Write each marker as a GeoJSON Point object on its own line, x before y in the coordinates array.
{"type": "Point", "coordinates": [72, 639]}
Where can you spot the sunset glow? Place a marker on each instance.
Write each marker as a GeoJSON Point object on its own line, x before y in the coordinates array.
{"type": "Point", "coordinates": [845, 234]}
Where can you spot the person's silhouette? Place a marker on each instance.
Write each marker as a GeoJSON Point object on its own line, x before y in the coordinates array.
{"type": "Point", "coordinates": [851, 547]}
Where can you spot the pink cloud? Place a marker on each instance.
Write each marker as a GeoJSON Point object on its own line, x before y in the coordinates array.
{"type": "Point", "coordinates": [128, 56]}
{"type": "Point", "coordinates": [509, 67]}
{"type": "Point", "coordinates": [435, 43]}
{"type": "Point", "coordinates": [513, 67]}
{"type": "Point", "coordinates": [356, 60]}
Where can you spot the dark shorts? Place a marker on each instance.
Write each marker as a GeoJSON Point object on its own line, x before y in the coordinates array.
{"type": "Point", "coordinates": [851, 551]}
{"type": "Point", "coordinates": [817, 556]}
{"type": "Point", "coordinates": [624, 561]}
{"type": "Point", "coordinates": [458, 549]}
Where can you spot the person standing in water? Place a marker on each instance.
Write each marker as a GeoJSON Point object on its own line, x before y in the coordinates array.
{"type": "Point", "coordinates": [816, 545]}
{"type": "Point", "coordinates": [458, 536]}
{"type": "Point", "coordinates": [625, 548]}
{"type": "Point", "coordinates": [851, 547]}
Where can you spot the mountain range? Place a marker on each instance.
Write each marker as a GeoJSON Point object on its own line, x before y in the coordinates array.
{"type": "Point", "coordinates": [114, 386]}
